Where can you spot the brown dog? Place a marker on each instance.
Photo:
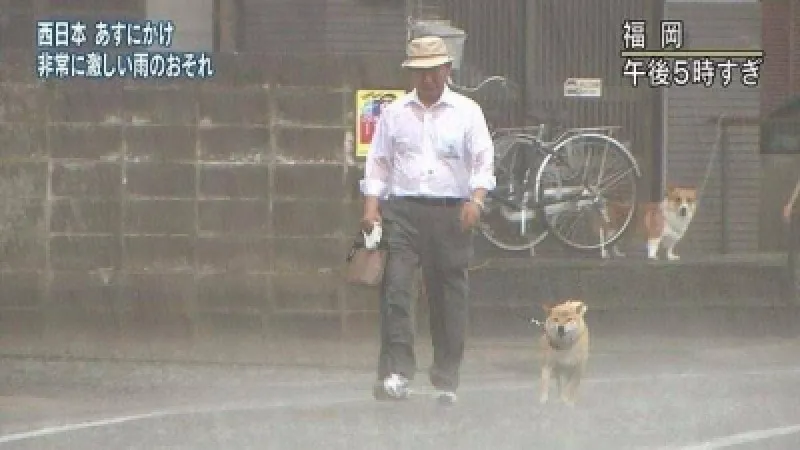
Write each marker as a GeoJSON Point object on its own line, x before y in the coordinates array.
{"type": "Point", "coordinates": [660, 224]}
{"type": "Point", "coordinates": [565, 349]}
{"type": "Point", "coordinates": [676, 213]}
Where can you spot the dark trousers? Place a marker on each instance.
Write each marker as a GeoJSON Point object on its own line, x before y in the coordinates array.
{"type": "Point", "coordinates": [430, 237]}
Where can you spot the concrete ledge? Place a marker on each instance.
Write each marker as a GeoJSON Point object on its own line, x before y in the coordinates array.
{"type": "Point", "coordinates": [315, 340]}
{"type": "Point", "coordinates": [734, 281]}
{"type": "Point", "coordinates": [180, 315]}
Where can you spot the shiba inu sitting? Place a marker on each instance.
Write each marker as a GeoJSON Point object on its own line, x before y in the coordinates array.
{"type": "Point", "coordinates": [565, 349]}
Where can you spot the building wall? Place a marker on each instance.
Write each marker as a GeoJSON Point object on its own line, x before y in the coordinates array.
{"type": "Point", "coordinates": [358, 27]}
{"type": "Point", "coordinates": [194, 26]}
{"type": "Point", "coordinates": [176, 208]}
{"type": "Point", "coordinates": [776, 34]}
{"type": "Point", "coordinates": [781, 80]}
{"type": "Point", "coordinates": [329, 26]}
{"type": "Point", "coordinates": [255, 26]}
{"type": "Point", "coordinates": [691, 133]}
{"type": "Point", "coordinates": [575, 39]}
{"type": "Point", "coordinates": [183, 207]}
{"type": "Point", "coordinates": [18, 18]}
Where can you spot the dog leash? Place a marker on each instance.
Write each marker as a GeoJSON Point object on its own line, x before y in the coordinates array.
{"type": "Point", "coordinates": [715, 149]}
{"type": "Point", "coordinates": [535, 321]}
{"type": "Point", "coordinates": [530, 320]}
{"type": "Point", "coordinates": [712, 158]}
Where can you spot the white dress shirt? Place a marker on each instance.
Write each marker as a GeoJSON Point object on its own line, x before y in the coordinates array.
{"type": "Point", "coordinates": [442, 151]}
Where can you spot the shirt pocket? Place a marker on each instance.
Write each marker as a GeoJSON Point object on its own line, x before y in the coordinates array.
{"type": "Point", "coordinates": [402, 146]}
{"type": "Point", "coordinates": [450, 145]}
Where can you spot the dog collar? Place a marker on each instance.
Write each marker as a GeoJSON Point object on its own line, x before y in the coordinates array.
{"type": "Point", "coordinates": [555, 346]}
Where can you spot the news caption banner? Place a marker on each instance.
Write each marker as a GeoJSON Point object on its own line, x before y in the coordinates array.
{"type": "Point", "coordinates": [673, 65]}
{"type": "Point", "coordinates": [69, 49]}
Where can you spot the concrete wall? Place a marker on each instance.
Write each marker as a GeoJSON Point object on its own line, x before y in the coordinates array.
{"type": "Point", "coordinates": [323, 26]}
{"type": "Point", "coordinates": [781, 81]}
{"type": "Point", "coordinates": [185, 206]}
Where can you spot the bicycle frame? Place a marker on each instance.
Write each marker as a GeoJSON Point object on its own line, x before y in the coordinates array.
{"type": "Point", "coordinates": [554, 200]}
{"type": "Point", "coordinates": [563, 195]}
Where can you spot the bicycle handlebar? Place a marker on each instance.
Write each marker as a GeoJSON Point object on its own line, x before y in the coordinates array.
{"type": "Point", "coordinates": [480, 85]}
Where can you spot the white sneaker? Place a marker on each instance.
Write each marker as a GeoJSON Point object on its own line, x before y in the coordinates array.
{"type": "Point", "coordinates": [446, 397]}
{"type": "Point", "coordinates": [396, 387]}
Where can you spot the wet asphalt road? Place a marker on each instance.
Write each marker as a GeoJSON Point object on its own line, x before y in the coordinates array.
{"type": "Point", "coordinates": [722, 391]}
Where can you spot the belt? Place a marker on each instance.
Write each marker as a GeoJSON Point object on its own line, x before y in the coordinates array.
{"type": "Point", "coordinates": [435, 201]}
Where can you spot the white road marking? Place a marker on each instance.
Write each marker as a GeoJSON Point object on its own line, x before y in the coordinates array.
{"type": "Point", "coordinates": [99, 423]}
{"type": "Point", "coordinates": [42, 432]}
{"type": "Point", "coordinates": [295, 404]}
{"type": "Point", "coordinates": [744, 438]}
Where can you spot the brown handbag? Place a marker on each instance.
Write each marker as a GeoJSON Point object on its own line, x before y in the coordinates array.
{"type": "Point", "coordinates": [365, 266]}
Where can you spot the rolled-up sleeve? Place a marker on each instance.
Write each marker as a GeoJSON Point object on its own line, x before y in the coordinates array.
{"type": "Point", "coordinates": [482, 153]}
{"type": "Point", "coordinates": [377, 168]}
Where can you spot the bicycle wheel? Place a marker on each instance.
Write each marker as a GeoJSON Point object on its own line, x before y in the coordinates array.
{"type": "Point", "coordinates": [510, 219]}
{"type": "Point", "coordinates": [586, 188]}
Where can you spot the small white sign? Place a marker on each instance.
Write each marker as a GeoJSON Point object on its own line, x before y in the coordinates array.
{"type": "Point", "coordinates": [583, 87]}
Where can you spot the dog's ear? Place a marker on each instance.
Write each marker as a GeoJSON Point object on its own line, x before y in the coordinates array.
{"type": "Point", "coordinates": [581, 308]}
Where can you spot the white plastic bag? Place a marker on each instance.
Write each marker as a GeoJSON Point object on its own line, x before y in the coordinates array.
{"type": "Point", "coordinates": [373, 238]}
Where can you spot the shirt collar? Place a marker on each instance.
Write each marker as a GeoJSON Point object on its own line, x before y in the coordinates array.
{"type": "Point", "coordinates": [447, 98]}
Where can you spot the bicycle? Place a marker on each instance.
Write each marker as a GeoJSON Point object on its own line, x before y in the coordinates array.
{"type": "Point", "coordinates": [541, 181]}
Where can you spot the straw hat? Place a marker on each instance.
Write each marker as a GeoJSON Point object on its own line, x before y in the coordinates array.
{"type": "Point", "coordinates": [426, 52]}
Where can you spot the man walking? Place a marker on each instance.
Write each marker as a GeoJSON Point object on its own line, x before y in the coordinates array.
{"type": "Point", "coordinates": [428, 170]}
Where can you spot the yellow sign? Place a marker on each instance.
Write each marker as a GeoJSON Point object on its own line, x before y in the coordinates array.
{"type": "Point", "coordinates": [369, 104]}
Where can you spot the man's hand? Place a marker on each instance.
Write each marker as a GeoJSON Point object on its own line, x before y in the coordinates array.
{"type": "Point", "coordinates": [369, 220]}
{"type": "Point", "coordinates": [372, 214]}
{"type": "Point", "coordinates": [470, 214]}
